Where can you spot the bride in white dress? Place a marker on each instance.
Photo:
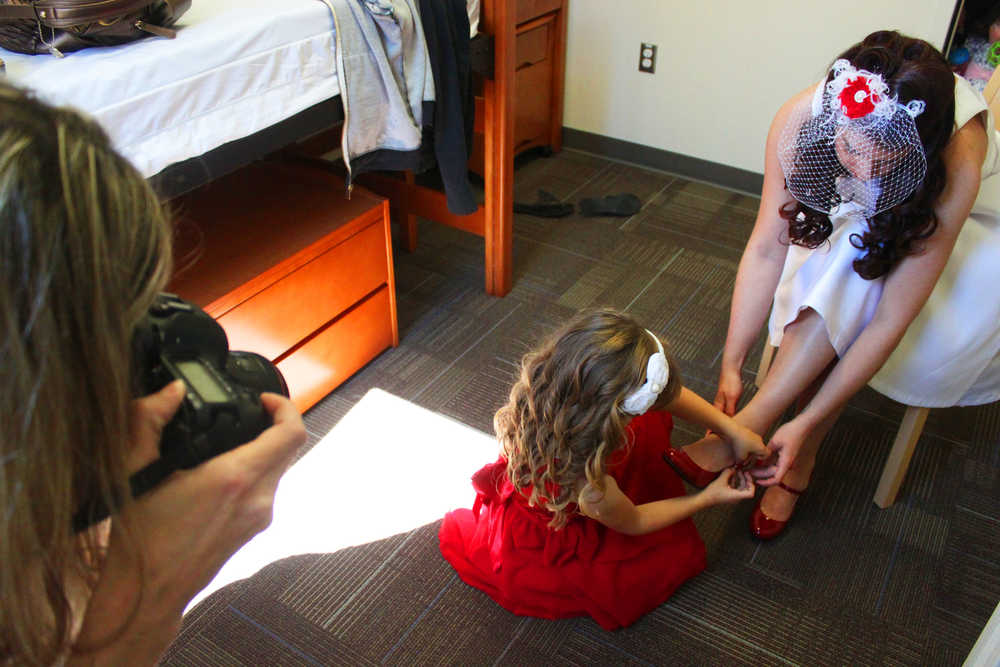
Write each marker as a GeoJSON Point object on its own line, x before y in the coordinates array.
{"type": "Point", "coordinates": [880, 252]}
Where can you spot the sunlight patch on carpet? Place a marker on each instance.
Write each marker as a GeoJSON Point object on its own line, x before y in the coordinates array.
{"type": "Point", "coordinates": [387, 467]}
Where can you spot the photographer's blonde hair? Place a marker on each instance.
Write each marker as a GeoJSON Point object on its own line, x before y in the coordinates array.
{"type": "Point", "coordinates": [564, 416]}
{"type": "Point", "coordinates": [84, 248]}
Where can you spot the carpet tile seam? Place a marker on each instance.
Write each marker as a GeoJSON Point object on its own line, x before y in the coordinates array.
{"type": "Point", "coordinates": [973, 512]}
{"type": "Point", "coordinates": [646, 203]}
{"type": "Point", "coordinates": [353, 595]}
{"type": "Point", "coordinates": [692, 236]}
{"type": "Point", "coordinates": [590, 180]}
{"type": "Point", "coordinates": [655, 278]}
{"type": "Point", "coordinates": [419, 618]}
{"type": "Point", "coordinates": [683, 306]}
{"type": "Point", "coordinates": [466, 351]}
{"type": "Point", "coordinates": [268, 631]}
{"type": "Point", "coordinates": [514, 637]}
{"type": "Point", "coordinates": [788, 581]}
{"type": "Point", "coordinates": [714, 629]}
{"type": "Point", "coordinates": [593, 635]}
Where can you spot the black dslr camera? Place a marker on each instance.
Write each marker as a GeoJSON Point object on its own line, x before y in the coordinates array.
{"type": "Point", "coordinates": [222, 408]}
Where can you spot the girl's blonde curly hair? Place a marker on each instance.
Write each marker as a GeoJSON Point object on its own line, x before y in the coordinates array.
{"type": "Point", "coordinates": [564, 416]}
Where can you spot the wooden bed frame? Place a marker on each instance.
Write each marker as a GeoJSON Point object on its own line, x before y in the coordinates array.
{"type": "Point", "coordinates": [500, 22]}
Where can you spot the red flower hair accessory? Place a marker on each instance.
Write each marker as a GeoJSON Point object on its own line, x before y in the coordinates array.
{"type": "Point", "coordinates": [857, 99]}
{"type": "Point", "coordinates": [855, 94]}
{"type": "Point", "coordinates": [853, 145]}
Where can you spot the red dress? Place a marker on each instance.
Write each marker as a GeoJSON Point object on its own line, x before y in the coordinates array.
{"type": "Point", "coordinates": [505, 548]}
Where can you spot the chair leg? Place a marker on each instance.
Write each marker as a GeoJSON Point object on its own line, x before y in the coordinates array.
{"type": "Point", "coordinates": [765, 362]}
{"type": "Point", "coordinates": [899, 457]}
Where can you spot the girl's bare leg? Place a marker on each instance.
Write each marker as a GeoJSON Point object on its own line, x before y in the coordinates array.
{"type": "Point", "coordinates": [803, 357]}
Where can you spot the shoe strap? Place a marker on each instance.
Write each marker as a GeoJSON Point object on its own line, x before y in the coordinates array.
{"type": "Point", "coordinates": [797, 492]}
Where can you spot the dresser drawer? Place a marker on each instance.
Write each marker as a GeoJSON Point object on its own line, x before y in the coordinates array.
{"type": "Point", "coordinates": [529, 9]}
{"type": "Point", "coordinates": [533, 45]}
{"type": "Point", "coordinates": [533, 101]}
{"type": "Point", "coordinates": [275, 319]}
{"type": "Point", "coordinates": [533, 87]}
{"type": "Point", "coordinates": [338, 351]}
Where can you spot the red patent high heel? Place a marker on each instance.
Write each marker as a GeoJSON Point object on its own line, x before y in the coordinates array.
{"type": "Point", "coordinates": [764, 527]}
{"type": "Point", "coordinates": [689, 471]}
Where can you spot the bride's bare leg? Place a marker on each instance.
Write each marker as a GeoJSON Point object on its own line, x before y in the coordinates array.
{"type": "Point", "coordinates": [804, 355]}
{"type": "Point", "coordinates": [778, 503]}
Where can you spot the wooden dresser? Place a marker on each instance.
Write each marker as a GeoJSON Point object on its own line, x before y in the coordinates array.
{"type": "Point", "coordinates": [291, 269]}
{"type": "Point", "coordinates": [539, 72]}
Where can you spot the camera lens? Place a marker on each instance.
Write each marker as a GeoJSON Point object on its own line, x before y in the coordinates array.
{"type": "Point", "coordinates": [256, 372]}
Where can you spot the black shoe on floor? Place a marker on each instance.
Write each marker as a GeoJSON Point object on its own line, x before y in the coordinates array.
{"type": "Point", "coordinates": [621, 206]}
{"type": "Point", "coordinates": [548, 206]}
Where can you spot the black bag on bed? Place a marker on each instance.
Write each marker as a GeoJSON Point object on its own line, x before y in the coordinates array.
{"type": "Point", "coordinates": [57, 26]}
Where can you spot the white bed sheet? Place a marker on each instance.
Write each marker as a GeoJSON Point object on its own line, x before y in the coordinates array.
{"type": "Point", "coordinates": [235, 68]}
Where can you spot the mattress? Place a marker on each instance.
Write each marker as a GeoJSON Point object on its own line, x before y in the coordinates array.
{"type": "Point", "coordinates": [235, 68]}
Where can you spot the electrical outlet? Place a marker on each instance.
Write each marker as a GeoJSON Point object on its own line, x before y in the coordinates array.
{"type": "Point", "coordinates": [647, 58]}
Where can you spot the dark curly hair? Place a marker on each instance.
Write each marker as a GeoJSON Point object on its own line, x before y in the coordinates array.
{"type": "Point", "coordinates": [914, 70]}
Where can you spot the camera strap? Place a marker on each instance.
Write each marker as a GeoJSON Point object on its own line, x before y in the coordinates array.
{"type": "Point", "coordinates": [139, 483]}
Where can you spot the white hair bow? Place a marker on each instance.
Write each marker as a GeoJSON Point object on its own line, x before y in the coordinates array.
{"type": "Point", "coordinates": [657, 374]}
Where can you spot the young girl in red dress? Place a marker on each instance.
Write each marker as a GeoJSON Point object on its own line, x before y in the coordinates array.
{"type": "Point", "coordinates": [581, 515]}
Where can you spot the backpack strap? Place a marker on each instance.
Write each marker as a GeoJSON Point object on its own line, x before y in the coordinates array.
{"type": "Point", "coordinates": [17, 12]}
{"type": "Point", "coordinates": [66, 13]}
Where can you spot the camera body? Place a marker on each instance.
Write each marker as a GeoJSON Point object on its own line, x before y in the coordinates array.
{"type": "Point", "coordinates": [222, 407]}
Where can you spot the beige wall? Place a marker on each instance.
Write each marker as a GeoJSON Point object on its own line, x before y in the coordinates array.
{"type": "Point", "coordinates": [723, 66]}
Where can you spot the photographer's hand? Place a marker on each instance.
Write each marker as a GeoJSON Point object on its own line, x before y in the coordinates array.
{"type": "Point", "coordinates": [168, 544]}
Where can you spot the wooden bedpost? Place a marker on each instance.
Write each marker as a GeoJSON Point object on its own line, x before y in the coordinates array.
{"type": "Point", "coordinates": [497, 19]}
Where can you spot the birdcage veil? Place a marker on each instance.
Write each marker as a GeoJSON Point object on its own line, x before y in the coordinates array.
{"type": "Point", "coordinates": [853, 142]}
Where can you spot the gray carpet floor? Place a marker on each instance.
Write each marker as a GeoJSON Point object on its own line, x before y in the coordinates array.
{"type": "Point", "coordinates": [847, 584]}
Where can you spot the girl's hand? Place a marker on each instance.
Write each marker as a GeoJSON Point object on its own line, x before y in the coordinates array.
{"type": "Point", "coordinates": [747, 445]}
{"type": "Point", "coordinates": [730, 486]}
{"type": "Point", "coordinates": [730, 390]}
{"type": "Point", "coordinates": [785, 444]}
{"type": "Point", "coordinates": [179, 535]}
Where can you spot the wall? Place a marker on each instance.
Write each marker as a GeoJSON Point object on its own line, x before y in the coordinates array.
{"type": "Point", "coordinates": [723, 67]}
